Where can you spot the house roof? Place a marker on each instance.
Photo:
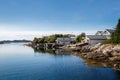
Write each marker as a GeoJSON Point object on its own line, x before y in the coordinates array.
{"type": "Point", "coordinates": [100, 31]}
{"type": "Point", "coordinates": [110, 30]}
{"type": "Point", "coordinates": [63, 39]}
{"type": "Point", "coordinates": [70, 35]}
{"type": "Point", "coordinates": [97, 37]}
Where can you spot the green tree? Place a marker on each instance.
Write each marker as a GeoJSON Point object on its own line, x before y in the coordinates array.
{"type": "Point", "coordinates": [35, 40]}
{"type": "Point", "coordinates": [40, 40]}
{"type": "Point", "coordinates": [79, 37]}
{"type": "Point", "coordinates": [115, 37]}
{"type": "Point", "coordinates": [48, 39]}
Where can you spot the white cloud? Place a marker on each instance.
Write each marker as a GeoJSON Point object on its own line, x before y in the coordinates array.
{"type": "Point", "coordinates": [29, 35]}
{"type": "Point", "coordinates": [12, 32]}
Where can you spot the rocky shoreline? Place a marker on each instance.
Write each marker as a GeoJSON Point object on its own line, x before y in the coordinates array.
{"type": "Point", "coordinates": [100, 64]}
{"type": "Point", "coordinates": [108, 54]}
{"type": "Point", "coordinates": [102, 52]}
{"type": "Point", "coordinates": [99, 52]}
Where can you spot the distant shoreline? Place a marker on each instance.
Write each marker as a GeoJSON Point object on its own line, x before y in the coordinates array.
{"type": "Point", "coordinates": [13, 41]}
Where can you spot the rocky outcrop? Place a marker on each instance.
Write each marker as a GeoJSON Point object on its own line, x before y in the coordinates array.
{"type": "Point", "coordinates": [103, 52]}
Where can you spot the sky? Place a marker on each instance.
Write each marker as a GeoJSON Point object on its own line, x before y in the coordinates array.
{"type": "Point", "coordinates": [26, 19]}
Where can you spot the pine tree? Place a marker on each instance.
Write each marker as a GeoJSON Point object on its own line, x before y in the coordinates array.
{"type": "Point", "coordinates": [115, 37]}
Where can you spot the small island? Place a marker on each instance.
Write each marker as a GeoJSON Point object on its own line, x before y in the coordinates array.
{"type": "Point", "coordinates": [103, 46]}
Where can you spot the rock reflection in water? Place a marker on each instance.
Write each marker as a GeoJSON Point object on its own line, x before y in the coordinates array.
{"type": "Point", "coordinates": [100, 64]}
{"type": "Point", "coordinates": [88, 62]}
{"type": "Point", "coordinates": [52, 51]}
{"type": "Point", "coordinates": [117, 73]}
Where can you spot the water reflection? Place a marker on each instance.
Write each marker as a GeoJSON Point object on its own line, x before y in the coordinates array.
{"type": "Point", "coordinates": [100, 64]}
{"type": "Point", "coordinates": [117, 73]}
{"type": "Point", "coordinates": [52, 51]}
{"type": "Point", "coordinates": [17, 62]}
{"type": "Point", "coordinates": [91, 63]}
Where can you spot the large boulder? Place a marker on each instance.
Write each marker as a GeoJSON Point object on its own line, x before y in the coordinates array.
{"type": "Point", "coordinates": [107, 52]}
{"type": "Point", "coordinates": [116, 48]}
{"type": "Point", "coordinates": [95, 47]}
{"type": "Point", "coordinates": [115, 53]}
{"type": "Point", "coordinates": [115, 58]}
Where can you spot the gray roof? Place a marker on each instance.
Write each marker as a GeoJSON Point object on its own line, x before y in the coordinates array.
{"type": "Point", "coordinates": [63, 39]}
{"type": "Point", "coordinates": [97, 37]}
{"type": "Point", "coordinates": [110, 30]}
{"type": "Point", "coordinates": [100, 31]}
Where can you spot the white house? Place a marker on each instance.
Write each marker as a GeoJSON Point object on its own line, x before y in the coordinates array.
{"type": "Point", "coordinates": [72, 36]}
{"type": "Point", "coordinates": [99, 37]}
{"type": "Point", "coordinates": [94, 39]}
{"type": "Point", "coordinates": [106, 33]}
{"type": "Point", "coordinates": [99, 33]}
{"type": "Point", "coordinates": [64, 41]}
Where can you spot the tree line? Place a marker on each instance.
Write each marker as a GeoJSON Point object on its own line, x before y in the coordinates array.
{"type": "Point", "coordinates": [48, 39]}
{"type": "Point", "coordinates": [115, 37]}
{"type": "Point", "coordinates": [52, 38]}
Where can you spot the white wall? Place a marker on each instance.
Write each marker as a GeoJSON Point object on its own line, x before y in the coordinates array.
{"type": "Point", "coordinates": [106, 33]}
{"type": "Point", "coordinates": [93, 42]}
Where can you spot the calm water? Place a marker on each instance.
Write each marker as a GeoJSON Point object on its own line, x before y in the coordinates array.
{"type": "Point", "coordinates": [18, 62]}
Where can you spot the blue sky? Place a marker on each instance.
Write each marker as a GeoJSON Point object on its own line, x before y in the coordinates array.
{"type": "Point", "coordinates": [58, 15]}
